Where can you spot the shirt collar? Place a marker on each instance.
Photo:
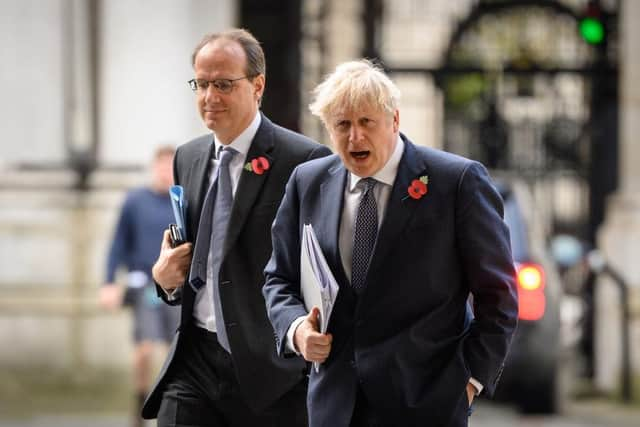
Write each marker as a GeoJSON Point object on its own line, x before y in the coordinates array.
{"type": "Point", "coordinates": [243, 141]}
{"type": "Point", "coordinates": [386, 175]}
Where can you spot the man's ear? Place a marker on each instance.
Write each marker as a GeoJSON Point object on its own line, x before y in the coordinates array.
{"type": "Point", "coordinates": [258, 86]}
{"type": "Point", "coordinates": [396, 120]}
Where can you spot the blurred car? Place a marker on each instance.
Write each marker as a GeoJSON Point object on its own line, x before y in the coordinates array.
{"type": "Point", "coordinates": [538, 370]}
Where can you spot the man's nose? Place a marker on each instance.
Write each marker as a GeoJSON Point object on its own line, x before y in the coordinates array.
{"type": "Point", "coordinates": [211, 94]}
{"type": "Point", "coordinates": [354, 133]}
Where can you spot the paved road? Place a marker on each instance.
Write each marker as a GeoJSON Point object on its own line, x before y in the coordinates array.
{"type": "Point", "coordinates": [85, 420]}
{"type": "Point", "coordinates": [584, 414]}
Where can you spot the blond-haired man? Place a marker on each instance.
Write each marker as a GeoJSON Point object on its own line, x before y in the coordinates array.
{"type": "Point", "coordinates": [409, 232]}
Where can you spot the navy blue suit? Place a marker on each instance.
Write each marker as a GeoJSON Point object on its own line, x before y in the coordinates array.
{"type": "Point", "coordinates": [408, 341]}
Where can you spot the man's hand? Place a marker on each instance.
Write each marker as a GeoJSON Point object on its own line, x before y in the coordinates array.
{"type": "Point", "coordinates": [170, 270]}
{"type": "Point", "coordinates": [110, 296]}
{"type": "Point", "coordinates": [313, 345]}
{"type": "Point", "coordinates": [471, 393]}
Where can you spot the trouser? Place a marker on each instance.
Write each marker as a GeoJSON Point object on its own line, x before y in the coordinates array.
{"type": "Point", "coordinates": [202, 390]}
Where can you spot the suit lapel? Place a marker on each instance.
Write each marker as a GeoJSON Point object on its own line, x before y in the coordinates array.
{"type": "Point", "coordinates": [328, 229]}
{"type": "Point", "coordinates": [400, 206]}
{"type": "Point", "coordinates": [250, 183]}
{"type": "Point", "coordinates": [198, 179]}
{"type": "Point", "coordinates": [201, 167]}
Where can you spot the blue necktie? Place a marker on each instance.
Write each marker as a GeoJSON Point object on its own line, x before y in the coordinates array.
{"type": "Point", "coordinates": [212, 231]}
{"type": "Point", "coordinates": [364, 235]}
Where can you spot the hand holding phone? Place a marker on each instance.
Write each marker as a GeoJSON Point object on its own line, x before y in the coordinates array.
{"type": "Point", "coordinates": [176, 236]}
{"type": "Point", "coordinates": [171, 269]}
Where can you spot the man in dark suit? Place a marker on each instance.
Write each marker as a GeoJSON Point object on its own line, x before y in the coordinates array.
{"type": "Point", "coordinates": [408, 232]}
{"type": "Point", "coordinates": [223, 369]}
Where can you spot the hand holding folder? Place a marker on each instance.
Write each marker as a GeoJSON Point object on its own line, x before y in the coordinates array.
{"type": "Point", "coordinates": [319, 287]}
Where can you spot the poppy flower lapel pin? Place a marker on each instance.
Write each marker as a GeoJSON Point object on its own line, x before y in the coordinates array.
{"type": "Point", "coordinates": [258, 165]}
{"type": "Point", "coordinates": [418, 188]}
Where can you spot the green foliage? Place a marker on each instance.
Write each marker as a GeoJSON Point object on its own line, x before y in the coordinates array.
{"type": "Point", "coordinates": [464, 90]}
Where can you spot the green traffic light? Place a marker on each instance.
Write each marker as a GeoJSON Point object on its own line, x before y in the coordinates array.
{"type": "Point", "coordinates": [591, 30]}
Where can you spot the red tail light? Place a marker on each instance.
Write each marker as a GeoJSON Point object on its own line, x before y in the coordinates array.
{"type": "Point", "coordinates": [531, 299]}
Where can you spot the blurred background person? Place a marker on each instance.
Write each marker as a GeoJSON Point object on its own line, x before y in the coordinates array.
{"type": "Point", "coordinates": [144, 216]}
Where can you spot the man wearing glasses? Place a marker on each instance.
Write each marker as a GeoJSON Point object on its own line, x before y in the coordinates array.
{"type": "Point", "coordinates": [222, 369]}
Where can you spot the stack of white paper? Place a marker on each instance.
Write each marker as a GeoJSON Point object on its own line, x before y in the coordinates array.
{"type": "Point", "coordinates": [319, 287]}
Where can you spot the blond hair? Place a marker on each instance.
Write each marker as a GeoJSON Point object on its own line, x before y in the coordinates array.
{"type": "Point", "coordinates": [354, 84]}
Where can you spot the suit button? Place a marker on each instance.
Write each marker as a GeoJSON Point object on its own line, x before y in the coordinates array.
{"type": "Point", "coordinates": [352, 363]}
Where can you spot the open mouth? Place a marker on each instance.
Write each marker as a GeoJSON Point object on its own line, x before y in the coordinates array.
{"type": "Point", "coordinates": [359, 155]}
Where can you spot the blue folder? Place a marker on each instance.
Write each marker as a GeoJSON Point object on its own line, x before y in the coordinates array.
{"type": "Point", "coordinates": [179, 206]}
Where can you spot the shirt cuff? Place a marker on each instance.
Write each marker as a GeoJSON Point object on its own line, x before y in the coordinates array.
{"type": "Point", "coordinates": [290, 345]}
{"type": "Point", "coordinates": [475, 383]}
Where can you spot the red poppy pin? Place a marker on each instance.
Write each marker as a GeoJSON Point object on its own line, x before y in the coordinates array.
{"type": "Point", "coordinates": [418, 187]}
{"type": "Point", "coordinates": [258, 165]}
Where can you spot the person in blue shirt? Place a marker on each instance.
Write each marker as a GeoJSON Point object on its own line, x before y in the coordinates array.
{"type": "Point", "coordinates": [144, 216]}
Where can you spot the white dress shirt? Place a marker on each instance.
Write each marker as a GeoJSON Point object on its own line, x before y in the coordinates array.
{"type": "Point", "coordinates": [352, 193]}
{"type": "Point", "coordinates": [385, 178]}
{"type": "Point", "coordinates": [203, 315]}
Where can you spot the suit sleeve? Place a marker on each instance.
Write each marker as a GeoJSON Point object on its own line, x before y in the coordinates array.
{"type": "Point", "coordinates": [483, 241]}
{"type": "Point", "coordinates": [282, 273]}
{"type": "Point", "coordinates": [176, 297]}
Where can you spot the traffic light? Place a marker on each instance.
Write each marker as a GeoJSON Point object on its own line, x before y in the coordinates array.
{"type": "Point", "coordinates": [591, 26]}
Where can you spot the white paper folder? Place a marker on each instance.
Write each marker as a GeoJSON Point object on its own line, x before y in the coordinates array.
{"type": "Point", "coordinates": [319, 287]}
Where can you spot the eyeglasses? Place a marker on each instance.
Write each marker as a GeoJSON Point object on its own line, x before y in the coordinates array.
{"type": "Point", "coordinates": [221, 85]}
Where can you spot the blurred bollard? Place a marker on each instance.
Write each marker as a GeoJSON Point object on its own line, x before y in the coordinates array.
{"type": "Point", "coordinates": [598, 265]}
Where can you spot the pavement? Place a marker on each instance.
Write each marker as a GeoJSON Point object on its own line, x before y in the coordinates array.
{"type": "Point", "coordinates": [608, 413]}
{"type": "Point", "coordinates": [584, 413]}
{"type": "Point", "coordinates": [45, 399]}
{"type": "Point", "coordinates": [77, 420]}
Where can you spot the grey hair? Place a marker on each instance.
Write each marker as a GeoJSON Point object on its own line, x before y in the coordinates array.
{"type": "Point", "coordinates": [255, 55]}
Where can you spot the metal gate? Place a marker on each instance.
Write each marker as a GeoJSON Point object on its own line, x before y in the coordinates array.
{"type": "Point", "coordinates": [526, 95]}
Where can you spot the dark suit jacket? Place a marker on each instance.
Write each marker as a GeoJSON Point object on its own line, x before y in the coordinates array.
{"type": "Point", "coordinates": [408, 340]}
{"type": "Point", "coordinates": [263, 376]}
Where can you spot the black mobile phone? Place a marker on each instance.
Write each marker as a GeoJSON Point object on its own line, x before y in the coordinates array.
{"type": "Point", "coordinates": [176, 236]}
